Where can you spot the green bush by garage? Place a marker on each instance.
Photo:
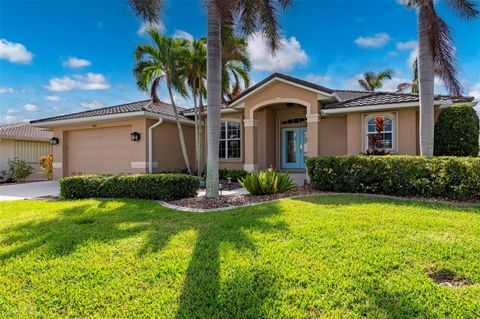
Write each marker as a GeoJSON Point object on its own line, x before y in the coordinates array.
{"type": "Point", "coordinates": [456, 132]}
{"type": "Point", "coordinates": [446, 177]}
{"type": "Point", "coordinates": [143, 186]}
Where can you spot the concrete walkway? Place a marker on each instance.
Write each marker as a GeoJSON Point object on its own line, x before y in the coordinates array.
{"type": "Point", "coordinates": [29, 190]}
{"type": "Point", "coordinates": [233, 192]}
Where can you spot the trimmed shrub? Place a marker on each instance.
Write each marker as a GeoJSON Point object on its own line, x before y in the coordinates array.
{"type": "Point", "coordinates": [19, 170]}
{"type": "Point", "coordinates": [154, 186]}
{"type": "Point", "coordinates": [447, 177]}
{"type": "Point", "coordinates": [456, 132]}
{"type": "Point", "coordinates": [267, 182]}
{"type": "Point", "coordinates": [234, 174]}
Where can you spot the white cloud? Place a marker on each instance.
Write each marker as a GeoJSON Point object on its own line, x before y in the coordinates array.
{"type": "Point", "coordinates": [9, 119]}
{"type": "Point", "coordinates": [183, 35]}
{"type": "Point", "coordinates": [317, 78]}
{"type": "Point", "coordinates": [392, 84]}
{"type": "Point", "coordinates": [89, 81]}
{"type": "Point", "coordinates": [376, 41]}
{"type": "Point", "coordinates": [57, 109]}
{"type": "Point", "coordinates": [52, 98]}
{"type": "Point", "coordinates": [407, 45]}
{"type": "Point", "coordinates": [76, 63]}
{"type": "Point", "coordinates": [31, 107]}
{"type": "Point", "coordinates": [12, 111]}
{"type": "Point", "coordinates": [352, 83]}
{"type": "Point", "coordinates": [4, 89]}
{"type": "Point", "coordinates": [285, 58]}
{"type": "Point", "coordinates": [95, 104]}
{"type": "Point", "coordinates": [14, 52]}
{"type": "Point", "coordinates": [147, 26]}
{"type": "Point", "coordinates": [474, 90]}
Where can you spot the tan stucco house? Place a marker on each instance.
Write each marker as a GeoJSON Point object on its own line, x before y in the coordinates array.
{"type": "Point", "coordinates": [277, 122]}
{"type": "Point", "coordinates": [26, 143]}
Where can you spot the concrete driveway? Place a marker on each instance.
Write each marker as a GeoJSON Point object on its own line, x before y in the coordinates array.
{"type": "Point", "coordinates": [29, 190]}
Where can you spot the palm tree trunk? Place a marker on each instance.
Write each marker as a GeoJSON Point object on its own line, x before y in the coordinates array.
{"type": "Point", "coordinates": [201, 126]}
{"type": "Point", "coordinates": [214, 98]}
{"type": "Point", "coordinates": [425, 83]}
{"type": "Point", "coordinates": [197, 128]}
{"type": "Point", "coordinates": [179, 127]}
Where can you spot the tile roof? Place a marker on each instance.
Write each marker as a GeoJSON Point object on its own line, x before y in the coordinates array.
{"type": "Point", "coordinates": [359, 98]}
{"type": "Point", "coordinates": [345, 95]}
{"type": "Point", "coordinates": [374, 98]}
{"type": "Point", "coordinates": [161, 108]}
{"type": "Point", "coordinates": [24, 131]}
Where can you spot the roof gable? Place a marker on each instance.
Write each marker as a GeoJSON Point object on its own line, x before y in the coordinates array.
{"type": "Point", "coordinates": [282, 78]}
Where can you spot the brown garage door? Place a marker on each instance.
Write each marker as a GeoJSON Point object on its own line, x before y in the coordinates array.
{"type": "Point", "coordinates": [99, 151]}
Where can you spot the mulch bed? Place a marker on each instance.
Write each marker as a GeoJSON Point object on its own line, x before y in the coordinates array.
{"type": "Point", "coordinates": [239, 200]}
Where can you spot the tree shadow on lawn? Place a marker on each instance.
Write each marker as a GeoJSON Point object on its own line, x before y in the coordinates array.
{"type": "Point", "coordinates": [109, 221]}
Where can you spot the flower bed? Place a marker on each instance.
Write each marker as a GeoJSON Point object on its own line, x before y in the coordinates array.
{"type": "Point", "coordinates": [240, 200]}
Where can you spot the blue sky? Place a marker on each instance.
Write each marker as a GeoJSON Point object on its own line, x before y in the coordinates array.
{"type": "Point", "coordinates": [59, 57]}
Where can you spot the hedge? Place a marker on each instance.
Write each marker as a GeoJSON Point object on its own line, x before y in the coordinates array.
{"type": "Point", "coordinates": [446, 177]}
{"type": "Point", "coordinates": [154, 186]}
{"type": "Point", "coordinates": [456, 132]}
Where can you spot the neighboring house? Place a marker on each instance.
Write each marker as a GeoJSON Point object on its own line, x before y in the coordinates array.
{"type": "Point", "coordinates": [26, 143]}
{"type": "Point", "coordinates": [277, 122]}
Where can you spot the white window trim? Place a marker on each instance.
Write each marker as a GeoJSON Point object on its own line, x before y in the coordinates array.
{"type": "Point", "coordinates": [392, 117]}
{"type": "Point", "coordinates": [226, 139]}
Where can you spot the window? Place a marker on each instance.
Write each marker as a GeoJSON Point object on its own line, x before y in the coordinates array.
{"type": "Point", "coordinates": [296, 120]}
{"type": "Point", "coordinates": [230, 142]}
{"type": "Point", "coordinates": [386, 139]}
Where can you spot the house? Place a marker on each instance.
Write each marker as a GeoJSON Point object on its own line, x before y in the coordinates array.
{"type": "Point", "coordinates": [26, 143]}
{"type": "Point", "coordinates": [277, 122]}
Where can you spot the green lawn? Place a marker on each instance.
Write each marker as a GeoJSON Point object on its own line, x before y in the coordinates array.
{"type": "Point", "coordinates": [325, 256]}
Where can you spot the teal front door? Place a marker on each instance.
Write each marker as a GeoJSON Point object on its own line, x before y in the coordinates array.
{"type": "Point", "coordinates": [294, 147]}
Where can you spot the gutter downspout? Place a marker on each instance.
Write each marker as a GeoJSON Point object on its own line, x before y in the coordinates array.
{"type": "Point", "coordinates": [150, 145]}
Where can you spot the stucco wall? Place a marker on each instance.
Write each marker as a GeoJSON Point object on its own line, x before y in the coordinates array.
{"type": "Point", "coordinates": [333, 136]}
{"type": "Point", "coordinates": [167, 153]}
{"type": "Point", "coordinates": [138, 149]}
{"type": "Point", "coordinates": [7, 152]}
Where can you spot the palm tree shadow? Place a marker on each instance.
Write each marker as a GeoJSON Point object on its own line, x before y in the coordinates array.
{"type": "Point", "coordinates": [111, 221]}
{"type": "Point", "coordinates": [102, 221]}
{"type": "Point", "coordinates": [200, 293]}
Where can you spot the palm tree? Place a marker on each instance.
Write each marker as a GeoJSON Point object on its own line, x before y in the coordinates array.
{"type": "Point", "coordinates": [372, 80]}
{"type": "Point", "coordinates": [436, 55]}
{"type": "Point", "coordinates": [196, 74]}
{"type": "Point", "coordinates": [235, 64]}
{"type": "Point", "coordinates": [165, 60]}
{"type": "Point", "coordinates": [249, 14]}
{"type": "Point", "coordinates": [412, 85]}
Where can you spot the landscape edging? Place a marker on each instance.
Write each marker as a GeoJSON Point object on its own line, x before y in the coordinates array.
{"type": "Point", "coordinates": [219, 209]}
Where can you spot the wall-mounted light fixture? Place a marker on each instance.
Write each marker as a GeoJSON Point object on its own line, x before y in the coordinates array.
{"type": "Point", "coordinates": [135, 136]}
{"type": "Point", "coordinates": [54, 141]}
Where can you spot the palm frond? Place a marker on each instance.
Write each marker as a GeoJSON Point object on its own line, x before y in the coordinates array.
{"type": "Point", "coordinates": [149, 10]}
{"type": "Point", "coordinates": [365, 85]}
{"type": "Point", "coordinates": [464, 8]}
{"type": "Point", "coordinates": [443, 52]}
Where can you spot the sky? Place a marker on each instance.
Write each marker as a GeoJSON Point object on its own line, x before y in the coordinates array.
{"type": "Point", "coordinates": [58, 57]}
